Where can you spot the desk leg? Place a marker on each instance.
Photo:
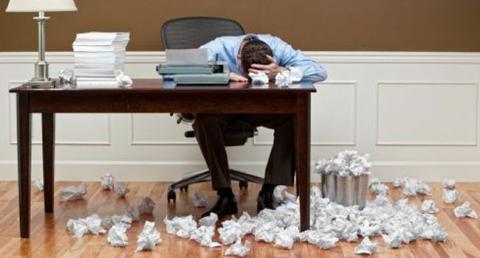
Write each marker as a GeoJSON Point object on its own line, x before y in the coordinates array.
{"type": "Point", "coordinates": [24, 134]}
{"type": "Point", "coordinates": [48, 140]}
{"type": "Point", "coordinates": [302, 135]}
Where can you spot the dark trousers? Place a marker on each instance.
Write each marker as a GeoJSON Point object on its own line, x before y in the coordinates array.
{"type": "Point", "coordinates": [280, 168]}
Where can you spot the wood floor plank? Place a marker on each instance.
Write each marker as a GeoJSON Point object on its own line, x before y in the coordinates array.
{"type": "Point", "coordinates": [458, 244]}
{"type": "Point", "coordinates": [50, 238]}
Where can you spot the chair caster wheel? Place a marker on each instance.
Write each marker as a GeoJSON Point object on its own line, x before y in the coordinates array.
{"type": "Point", "coordinates": [171, 196]}
{"type": "Point", "coordinates": [243, 185]}
{"type": "Point", "coordinates": [184, 188]}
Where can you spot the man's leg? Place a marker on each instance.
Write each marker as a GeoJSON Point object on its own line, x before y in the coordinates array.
{"type": "Point", "coordinates": [281, 163]}
{"type": "Point", "coordinates": [280, 168]}
{"type": "Point", "coordinates": [209, 133]}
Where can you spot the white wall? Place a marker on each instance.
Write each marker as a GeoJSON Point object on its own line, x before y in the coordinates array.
{"type": "Point", "coordinates": [415, 113]}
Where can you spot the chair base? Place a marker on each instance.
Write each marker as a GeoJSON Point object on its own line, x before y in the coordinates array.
{"type": "Point", "coordinates": [204, 176]}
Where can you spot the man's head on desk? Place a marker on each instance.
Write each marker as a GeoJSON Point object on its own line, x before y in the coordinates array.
{"type": "Point", "coordinates": [253, 51]}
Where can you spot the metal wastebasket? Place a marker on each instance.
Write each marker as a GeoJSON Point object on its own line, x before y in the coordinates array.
{"type": "Point", "coordinates": [345, 190]}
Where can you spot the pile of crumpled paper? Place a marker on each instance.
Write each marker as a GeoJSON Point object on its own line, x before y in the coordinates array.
{"type": "Point", "coordinates": [114, 226]}
{"type": "Point", "coordinates": [345, 163]}
{"type": "Point", "coordinates": [398, 223]}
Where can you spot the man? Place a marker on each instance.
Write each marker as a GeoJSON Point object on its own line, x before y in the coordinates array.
{"type": "Point", "coordinates": [252, 54]}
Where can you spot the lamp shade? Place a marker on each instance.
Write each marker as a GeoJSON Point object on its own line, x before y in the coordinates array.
{"type": "Point", "coordinates": [41, 5]}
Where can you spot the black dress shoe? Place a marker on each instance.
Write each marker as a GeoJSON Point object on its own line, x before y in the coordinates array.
{"type": "Point", "coordinates": [265, 201]}
{"type": "Point", "coordinates": [224, 206]}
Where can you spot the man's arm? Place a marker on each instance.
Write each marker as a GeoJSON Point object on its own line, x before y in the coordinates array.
{"type": "Point", "coordinates": [214, 48]}
{"type": "Point", "coordinates": [295, 59]}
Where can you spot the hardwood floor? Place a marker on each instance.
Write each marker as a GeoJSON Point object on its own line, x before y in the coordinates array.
{"type": "Point", "coordinates": [49, 237]}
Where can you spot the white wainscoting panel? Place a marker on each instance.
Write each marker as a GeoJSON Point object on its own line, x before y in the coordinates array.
{"type": "Point", "coordinates": [71, 129]}
{"type": "Point", "coordinates": [333, 116]}
{"type": "Point", "coordinates": [161, 129]}
{"type": "Point", "coordinates": [415, 113]}
{"type": "Point", "coordinates": [427, 113]}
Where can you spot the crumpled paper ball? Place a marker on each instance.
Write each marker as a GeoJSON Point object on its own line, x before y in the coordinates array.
{"type": "Point", "coordinates": [366, 247]}
{"type": "Point", "coordinates": [66, 76]}
{"type": "Point", "coordinates": [124, 80]}
{"type": "Point", "coordinates": [413, 186]}
{"type": "Point", "coordinates": [38, 183]}
{"type": "Point", "coordinates": [107, 181]}
{"type": "Point", "coordinates": [379, 188]}
{"type": "Point", "coordinates": [117, 235]}
{"type": "Point", "coordinates": [120, 189]}
{"type": "Point", "coordinates": [209, 220]}
{"type": "Point", "coordinates": [393, 240]}
{"type": "Point", "coordinates": [259, 78]}
{"type": "Point", "coordinates": [109, 221]}
{"type": "Point", "coordinates": [148, 238]}
{"type": "Point", "coordinates": [450, 196]}
{"type": "Point", "coordinates": [230, 231]}
{"type": "Point", "coordinates": [181, 226]}
{"type": "Point", "coordinates": [91, 224]}
{"type": "Point", "coordinates": [133, 212]}
{"type": "Point", "coordinates": [346, 163]}
{"type": "Point", "coordinates": [423, 188]}
{"type": "Point", "coordinates": [397, 182]}
{"type": "Point", "coordinates": [199, 200]}
{"type": "Point", "coordinates": [283, 79]}
{"type": "Point", "coordinates": [285, 239]}
{"type": "Point", "coordinates": [429, 206]}
{"type": "Point", "coordinates": [464, 210]}
{"type": "Point", "coordinates": [72, 193]}
{"type": "Point", "coordinates": [238, 249]}
{"type": "Point", "coordinates": [77, 228]}
{"type": "Point", "coordinates": [146, 206]}
{"type": "Point", "coordinates": [319, 238]}
{"type": "Point", "coordinates": [448, 183]}
{"type": "Point", "coordinates": [281, 195]}
{"type": "Point", "coordinates": [204, 235]}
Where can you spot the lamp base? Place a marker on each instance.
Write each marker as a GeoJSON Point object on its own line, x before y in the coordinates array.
{"type": "Point", "coordinates": [41, 79]}
{"type": "Point", "coordinates": [41, 84]}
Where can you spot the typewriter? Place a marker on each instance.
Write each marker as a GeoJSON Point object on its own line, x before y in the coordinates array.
{"type": "Point", "coordinates": [191, 67]}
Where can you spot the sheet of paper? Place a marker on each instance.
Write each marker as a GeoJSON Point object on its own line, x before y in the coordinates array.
{"type": "Point", "coordinates": [196, 56]}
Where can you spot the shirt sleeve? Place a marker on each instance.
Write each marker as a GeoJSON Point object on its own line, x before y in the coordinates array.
{"type": "Point", "coordinates": [295, 59]}
{"type": "Point", "coordinates": [214, 47]}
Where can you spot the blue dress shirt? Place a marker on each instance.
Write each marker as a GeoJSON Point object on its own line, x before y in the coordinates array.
{"type": "Point", "coordinates": [226, 50]}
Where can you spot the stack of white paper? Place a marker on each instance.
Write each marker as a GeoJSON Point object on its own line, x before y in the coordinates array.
{"type": "Point", "coordinates": [99, 58]}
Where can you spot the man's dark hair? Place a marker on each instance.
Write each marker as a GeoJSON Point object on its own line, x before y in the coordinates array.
{"type": "Point", "coordinates": [254, 52]}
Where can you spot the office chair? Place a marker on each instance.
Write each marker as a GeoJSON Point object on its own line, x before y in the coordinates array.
{"type": "Point", "coordinates": [192, 32]}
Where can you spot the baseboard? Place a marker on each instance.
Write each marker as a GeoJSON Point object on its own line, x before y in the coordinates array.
{"type": "Point", "coordinates": [171, 171]}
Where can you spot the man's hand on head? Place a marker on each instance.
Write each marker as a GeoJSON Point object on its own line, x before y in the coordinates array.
{"type": "Point", "coordinates": [237, 77]}
{"type": "Point", "coordinates": [271, 70]}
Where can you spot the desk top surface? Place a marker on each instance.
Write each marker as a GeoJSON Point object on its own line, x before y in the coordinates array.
{"type": "Point", "coordinates": [157, 85]}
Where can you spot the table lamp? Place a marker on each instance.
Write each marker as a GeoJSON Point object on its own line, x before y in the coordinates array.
{"type": "Point", "coordinates": [41, 79]}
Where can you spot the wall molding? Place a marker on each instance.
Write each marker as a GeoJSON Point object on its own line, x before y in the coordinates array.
{"type": "Point", "coordinates": [325, 56]}
{"type": "Point", "coordinates": [91, 170]}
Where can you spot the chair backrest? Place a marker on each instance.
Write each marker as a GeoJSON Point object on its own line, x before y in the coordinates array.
{"type": "Point", "coordinates": [192, 32]}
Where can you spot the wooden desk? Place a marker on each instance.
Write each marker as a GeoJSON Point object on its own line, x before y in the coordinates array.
{"type": "Point", "coordinates": [154, 96]}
